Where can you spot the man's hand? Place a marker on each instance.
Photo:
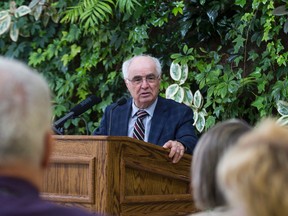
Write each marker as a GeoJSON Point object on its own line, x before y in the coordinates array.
{"type": "Point", "coordinates": [176, 150]}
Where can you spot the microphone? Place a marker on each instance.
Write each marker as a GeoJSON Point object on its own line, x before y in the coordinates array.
{"type": "Point", "coordinates": [77, 110]}
{"type": "Point", "coordinates": [120, 102]}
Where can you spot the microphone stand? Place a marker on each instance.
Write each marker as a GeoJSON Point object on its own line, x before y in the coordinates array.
{"type": "Point", "coordinates": [57, 131]}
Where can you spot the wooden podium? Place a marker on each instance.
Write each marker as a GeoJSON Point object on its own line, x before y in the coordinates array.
{"type": "Point", "coordinates": [117, 176]}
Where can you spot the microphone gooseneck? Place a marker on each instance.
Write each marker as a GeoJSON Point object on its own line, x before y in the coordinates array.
{"type": "Point", "coordinates": [76, 111]}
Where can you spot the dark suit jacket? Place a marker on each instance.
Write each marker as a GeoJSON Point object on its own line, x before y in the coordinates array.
{"type": "Point", "coordinates": [19, 197]}
{"type": "Point", "coordinates": [170, 121]}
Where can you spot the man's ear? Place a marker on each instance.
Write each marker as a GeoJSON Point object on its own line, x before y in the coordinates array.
{"type": "Point", "coordinates": [48, 140]}
{"type": "Point", "coordinates": [126, 83]}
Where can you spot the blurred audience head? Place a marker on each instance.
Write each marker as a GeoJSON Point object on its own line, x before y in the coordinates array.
{"type": "Point", "coordinates": [210, 148]}
{"type": "Point", "coordinates": [25, 114]}
{"type": "Point", "coordinates": [253, 174]}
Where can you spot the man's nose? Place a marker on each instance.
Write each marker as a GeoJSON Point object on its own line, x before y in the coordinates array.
{"type": "Point", "coordinates": [144, 83]}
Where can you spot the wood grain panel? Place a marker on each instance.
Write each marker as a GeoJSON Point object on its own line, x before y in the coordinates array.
{"type": "Point", "coordinates": [71, 179]}
{"type": "Point", "coordinates": [118, 176]}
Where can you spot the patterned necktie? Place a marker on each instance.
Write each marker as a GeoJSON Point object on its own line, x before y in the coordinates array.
{"type": "Point", "coordinates": [139, 130]}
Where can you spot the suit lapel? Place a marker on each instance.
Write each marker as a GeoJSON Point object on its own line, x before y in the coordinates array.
{"type": "Point", "coordinates": [123, 113]}
{"type": "Point", "coordinates": [158, 121]}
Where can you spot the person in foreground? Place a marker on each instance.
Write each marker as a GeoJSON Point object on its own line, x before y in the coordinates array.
{"type": "Point", "coordinates": [25, 142]}
{"type": "Point", "coordinates": [253, 175]}
{"type": "Point", "coordinates": [161, 121]}
{"type": "Point", "coordinates": [211, 147]}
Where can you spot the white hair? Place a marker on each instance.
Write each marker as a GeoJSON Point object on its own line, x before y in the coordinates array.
{"type": "Point", "coordinates": [25, 113]}
{"type": "Point", "coordinates": [126, 64]}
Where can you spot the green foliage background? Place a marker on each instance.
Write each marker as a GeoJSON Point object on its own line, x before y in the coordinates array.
{"type": "Point", "coordinates": [236, 52]}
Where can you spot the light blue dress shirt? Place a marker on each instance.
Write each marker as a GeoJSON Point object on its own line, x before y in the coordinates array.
{"type": "Point", "coordinates": [146, 120]}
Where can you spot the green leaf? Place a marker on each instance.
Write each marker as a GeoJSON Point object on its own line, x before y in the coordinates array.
{"type": "Point", "coordinates": [22, 11]}
{"type": "Point", "coordinates": [188, 96]}
{"type": "Point", "coordinates": [176, 56]}
{"type": "Point", "coordinates": [239, 42]}
{"type": "Point", "coordinates": [185, 49]}
{"type": "Point", "coordinates": [5, 24]}
{"type": "Point", "coordinates": [65, 59]}
{"type": "Point", "coordinates": [282, 107]}
{"type": "Point", "coordinates": [75, 50]}
{"type": "Point", "coordinates": [176, 10]}
{"type": "Point", "coordinates": [241, 3]}
{"type": "Point", "coordinates": [202, 2]}
{"type": "Point", "coordinates": [127, 5]}
{"type": "Point", "coordinates": [258, 103]}
{"type": "Point", "coordinates": [171, 91]}
{"type": "Point", "coordinates": [175, 71]}
{"type": "Point", "coordinates": [210, 121]}
{"type": "Point", "coordinates": [36, 57]}
{"type": "Point", "coordinates": [198, 99]}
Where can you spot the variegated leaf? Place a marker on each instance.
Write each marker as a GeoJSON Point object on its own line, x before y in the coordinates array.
{"type": "Point", "coordinates": [196, 114]}
{"type": "Point", "coordinates": [283, 120]}
{"type": "Point", "coordinates": [280, 11]}
{"type": "Point", "coordinates": [282, 107]}
{"type": "Point", "coordinates": [33, 3]}
{"type": "Point", "coordinates": [3, 15]}
{"type": "Point", "coordinates": [198, 99]}
{"type": "Point", "coordinates": [45, 19]}
{"type": "Point", "coordinates": [37, 12]}
{"type": "Point", "coordinates": [55, 18]}
{"type": "Point", "coordinates": [14, 32]}
{"type": "Point", "coordinates": [175, 71]}
{"type": "Point", "coordinates": [171, 91]}
{"type": "Point", "coordinates": [204, 112]}
{"type": "Point", "coordinates": [188, 96]}
{"type": "Point", "coordinates": [200, 124]}
{"type": "Point", "coordinates": [184, 73]}
{"type": "Point", "coordinates": [194, 108]}
{"type": "Point", "coordinates": [5, 24]}
{"type": "Point", "coordinates": [179, 95]}
{"type": "Point", "coordinates": [22, 11]}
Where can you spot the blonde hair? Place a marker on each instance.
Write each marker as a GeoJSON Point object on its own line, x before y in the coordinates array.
{"type": "Point", "coordinates": [253, 175]}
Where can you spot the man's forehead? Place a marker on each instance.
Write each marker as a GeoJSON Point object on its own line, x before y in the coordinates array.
{"type": "Point", "coordinates": [142, 66]}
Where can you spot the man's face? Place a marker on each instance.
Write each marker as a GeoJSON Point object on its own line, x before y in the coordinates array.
{"type": "Point", "coordinates": [143, 82]}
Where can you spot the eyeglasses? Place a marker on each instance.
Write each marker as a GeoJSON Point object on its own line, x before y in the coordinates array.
{"type": "Point", "coordinates": [137, 80]}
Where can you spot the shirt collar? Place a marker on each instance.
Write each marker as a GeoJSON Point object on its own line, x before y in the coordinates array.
{"type": "Point", "coordinates": [149, 110]}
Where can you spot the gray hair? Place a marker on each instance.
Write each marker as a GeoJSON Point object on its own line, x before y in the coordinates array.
{"type": "Point", "coordinates": [126, 64]}
{"type": "Point", "coordinates": [25, 113]}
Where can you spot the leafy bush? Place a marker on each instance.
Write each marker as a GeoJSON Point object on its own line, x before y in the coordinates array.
{"type": "Point", "coordinates": [235, 52]}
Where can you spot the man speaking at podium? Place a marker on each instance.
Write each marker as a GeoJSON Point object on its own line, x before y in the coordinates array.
{"type": "Point", "coordinates": [147, 116]}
